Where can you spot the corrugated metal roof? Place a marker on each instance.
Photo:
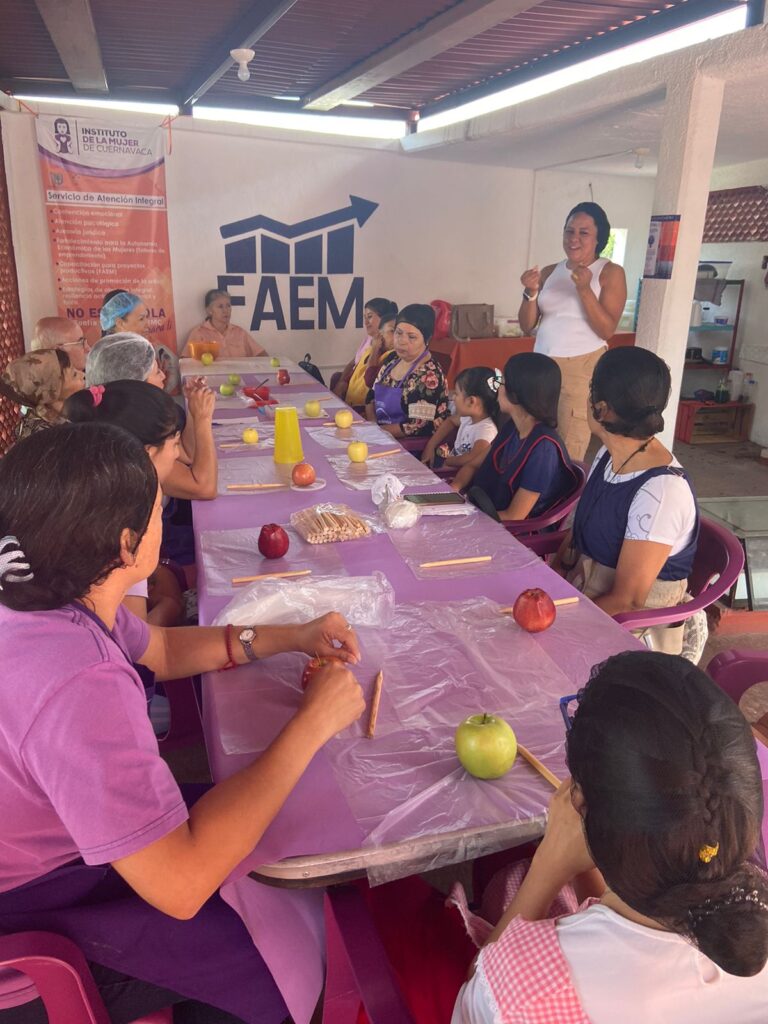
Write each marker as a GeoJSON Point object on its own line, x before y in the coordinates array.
{"type": "Point", "coordinates": [162, 48]}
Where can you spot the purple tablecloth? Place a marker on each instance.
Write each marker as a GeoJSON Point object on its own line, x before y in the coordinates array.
{"type": "Point", "coordinates": [318, 818]}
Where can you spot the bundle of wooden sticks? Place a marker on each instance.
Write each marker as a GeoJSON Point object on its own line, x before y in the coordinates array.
{"type": "Point", "coordinates": [318, 525]}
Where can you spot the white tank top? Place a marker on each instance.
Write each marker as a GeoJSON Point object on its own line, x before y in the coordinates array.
{"type": "Point", "coordinates": [564, 330]}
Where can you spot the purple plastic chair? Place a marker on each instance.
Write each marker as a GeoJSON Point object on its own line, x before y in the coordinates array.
{"type": "Point", "coordinates": [717, 564]}
{"type": "Point", "coordinates": [736, 670]}
{"type": "Point", "coordinates": [62, 978]}
{"type": "Point", "coordinates": [556, 516]}
{"type": "Point", "coordinates": [357, 965]}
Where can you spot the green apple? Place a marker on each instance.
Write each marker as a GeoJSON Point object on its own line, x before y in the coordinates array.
{"type": "Point", "coordinates": [226, 390]}
{"type": "Point", "coordinates": [357, 451]}
{"type": "Point", "coordinates": [343, 419]}
{"type": "Point", "coordinates": [251, 435]}
{"type": "Point", "coordinates": [486, 746]}
{"type": "Point", "coordinates": [206, 358]}
{"type": "Point", "coordinates": [234, 378]}
{"type": "Point", "coordinates": [312, 409]}
{"type": "Point", "coordinates": [274, 361]}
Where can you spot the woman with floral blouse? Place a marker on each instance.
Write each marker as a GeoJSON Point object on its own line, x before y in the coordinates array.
{"type": "Point", "coordinates": [409, 397]}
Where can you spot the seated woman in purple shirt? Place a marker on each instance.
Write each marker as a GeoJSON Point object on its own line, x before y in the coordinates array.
{"type": "Point", "coordinates": [97, 841]}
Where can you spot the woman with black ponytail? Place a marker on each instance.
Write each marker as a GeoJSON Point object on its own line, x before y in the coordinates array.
{"type": "Point", "coordinates": [636, 527]}
{"type": "Point", "coordinates": [659, 821]}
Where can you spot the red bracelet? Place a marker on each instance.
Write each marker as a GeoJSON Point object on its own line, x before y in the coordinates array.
{"type": "Point", "coordinates": [231, 663]}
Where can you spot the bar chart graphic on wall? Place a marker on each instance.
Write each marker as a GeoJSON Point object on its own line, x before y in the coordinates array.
{"type": "Point", "coordinates": [319, 245]}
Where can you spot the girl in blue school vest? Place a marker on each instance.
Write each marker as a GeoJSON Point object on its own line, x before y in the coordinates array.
{"type": "Point", "coordinates": [527, 470]}
{"type": "Point", "coordinates": [636, 526]}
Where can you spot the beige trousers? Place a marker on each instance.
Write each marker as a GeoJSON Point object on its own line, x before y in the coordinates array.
{"type": "Point", "coordinates": [572, 423]}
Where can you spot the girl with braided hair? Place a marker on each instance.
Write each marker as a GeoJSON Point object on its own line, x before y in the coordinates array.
{"type": "Point", "coordinates": [659, 821]}
{"type": "Point", "coordinates": [636, 526]}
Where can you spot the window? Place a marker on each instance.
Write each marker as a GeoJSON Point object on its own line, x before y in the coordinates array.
{"type": "Point", "coordinates": [617, 246]}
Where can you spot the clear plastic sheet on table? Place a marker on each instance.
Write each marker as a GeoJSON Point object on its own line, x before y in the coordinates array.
{"type": "Point", "coordinates": [361, 475]}
{"type": "Point", "coordinates": [442, 538]}
{"type": "Point", "coordinates": [441, 663]}
{"type": "Point", "coordinates": [298, 401]}
{"type": "Point", "coordinates": [333, 437]}
{"type": "Point", "coordinates": [229, 432]}
{"type": "Point", "coordinates": [228, 554]}
{"type": "Point", "coordinates": [332, 523]}
{"type": "Point", "coordinates": [253, 470]}
{"type": "Point", "coordinates": [254, 364]}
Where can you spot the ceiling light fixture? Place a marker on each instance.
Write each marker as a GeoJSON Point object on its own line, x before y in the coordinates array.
{"type": "Point", "coordinates": [359, 127]}
{"type": "Point", "coordinates": [242, 57]}
{"type": "Point", "coordinates": [138, 107]}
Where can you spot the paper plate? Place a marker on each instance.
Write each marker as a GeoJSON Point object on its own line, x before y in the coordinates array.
{"type": "Point", "coordinates": [318, 485]}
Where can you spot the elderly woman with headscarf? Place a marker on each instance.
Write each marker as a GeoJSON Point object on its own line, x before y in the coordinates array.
{"type": "Point", "coordinates": [408, 398]}
{"type": "Point", "coordinates": [233, 342]}
{"type": "Point", "coordinates": [124, 312]}
{"type": "Point", "coordinates": [128, 356]}
{"type": "Point", "coordinates": [40, 381]}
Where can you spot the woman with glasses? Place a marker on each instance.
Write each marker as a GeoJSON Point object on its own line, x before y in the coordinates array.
{"type": "Point", "coordinates": [409, 398]}
{"type": "Point", "coordinates": [655, 831]}
{"type": "Point", "coordinates": [58, 332]}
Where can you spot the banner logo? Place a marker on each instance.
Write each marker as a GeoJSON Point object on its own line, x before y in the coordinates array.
{"type": "Point", "coordinates": [63, 135]}
{"type": "Point", "coordinates": [296, 264]}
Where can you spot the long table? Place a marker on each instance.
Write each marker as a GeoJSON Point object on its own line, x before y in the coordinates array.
{"type": "Point", "coordinates": [401, 802]}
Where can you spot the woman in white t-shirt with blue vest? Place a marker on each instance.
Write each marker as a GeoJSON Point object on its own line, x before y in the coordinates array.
{"type": "Point", "coordinates": [636, 526]}
{"type": "Point", "coordinates": [577, 304]}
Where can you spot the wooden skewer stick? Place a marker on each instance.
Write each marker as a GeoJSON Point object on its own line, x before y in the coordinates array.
{"type": "Point", "coordinates": [237, 444]}
{"type": "Point", "coordinates": [390, 451]}
{"type": "Point", "coordinates": [455, 561]}
{"type": "Point", "coordinates": [375, 699]}
{"type": "Point", "coordinates": [542, 769]}
{"type": "Point", "coordinates": [252, 487]}
{"type": "Point", "coordinates": [270, 575]}
{"type": "Point", "coordinates": [558, 603]}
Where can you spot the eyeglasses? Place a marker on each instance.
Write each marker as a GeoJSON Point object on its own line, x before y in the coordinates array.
{"type": "Point", "coordinates": [80, 343]}
{"type": "Point", "coordinates": [564, 708]}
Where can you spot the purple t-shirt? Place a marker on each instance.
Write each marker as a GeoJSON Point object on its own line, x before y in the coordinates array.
{"type": "Point", "coordinates": [80, 772]}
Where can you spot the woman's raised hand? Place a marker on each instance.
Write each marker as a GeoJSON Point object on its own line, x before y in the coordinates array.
{"type": "Point", "coordinates": [581, 277]}
{"type": "Point", "coordinates": [320, 636]}
{"type": "Point", "coordinates": [531, 279]}
{"type": "Point", "coordinates": [201, 403]}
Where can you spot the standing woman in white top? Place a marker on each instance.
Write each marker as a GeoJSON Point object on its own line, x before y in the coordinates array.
{"type": "Point", "coordinates": [577, 304]}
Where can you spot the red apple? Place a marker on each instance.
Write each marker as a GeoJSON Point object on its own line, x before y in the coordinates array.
{"type": "Point", "coordinates": [273, 541]}
{"type": "Point", "coordinates": [314, 664]}
{"type": "Point", "coordinates": [303, 474]}
{"type": "Point", "coordinates": [283, 377]}
{"type": "Point", "coordinates": [534, 610]}
{"type": "Point", "coordinates": [262, 393]}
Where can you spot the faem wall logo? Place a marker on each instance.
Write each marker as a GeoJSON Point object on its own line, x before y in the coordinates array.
{"type": "Point", "coordinates": [303, 268]}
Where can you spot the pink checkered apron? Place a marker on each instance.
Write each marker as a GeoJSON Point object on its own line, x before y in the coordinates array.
{"type": "Point", "coordinates": [525, 969]}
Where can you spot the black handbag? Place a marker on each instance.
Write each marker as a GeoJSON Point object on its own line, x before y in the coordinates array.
{"type": "Point", "coordinates": [309, 367]}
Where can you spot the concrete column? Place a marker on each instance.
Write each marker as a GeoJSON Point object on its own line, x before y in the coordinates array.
{"type": "Point", "coordinates": [686, 155]}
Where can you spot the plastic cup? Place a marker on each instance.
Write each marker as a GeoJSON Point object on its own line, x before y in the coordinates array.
{"type": "Point", "coordinates": [288, 447]}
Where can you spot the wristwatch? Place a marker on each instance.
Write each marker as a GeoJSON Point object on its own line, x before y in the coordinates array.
{"type": "Point", "coordinates": [528, 297]}
{"type": "Point", "coordinates": [246, 637]}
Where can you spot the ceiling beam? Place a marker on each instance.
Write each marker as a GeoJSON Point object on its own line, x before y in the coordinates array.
{"type": "Point", "coordinates": [71, 28]}
{"type": "Point", "coordinates": [463, 21]}
{"type": "Point", "coordinates": [257, 21]}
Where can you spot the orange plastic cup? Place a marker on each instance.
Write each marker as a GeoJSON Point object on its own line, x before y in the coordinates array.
{"type": "Point", "coordinates": [198, 348]}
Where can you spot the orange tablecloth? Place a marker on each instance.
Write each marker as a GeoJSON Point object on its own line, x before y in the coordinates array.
{"type": "Point", "coordinates": [455, 356]}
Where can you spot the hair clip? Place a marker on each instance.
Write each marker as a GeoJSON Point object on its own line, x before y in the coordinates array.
{"type": "Point", "coordinates": [13, 561]}
{"type": "Point", "coordinates": [495, 381]}
{"type": "Point", "coordinates": [706, 853]}
{"type": "Point", "coordinates": [97, 391]}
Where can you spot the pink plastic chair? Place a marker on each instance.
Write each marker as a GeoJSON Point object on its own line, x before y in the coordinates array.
{"type": "Point", "coordinates": [719, 560]}
{"type": "Point", "coordinates": [62, 978]}
{"type": "Point", "coordinates": [736, 670]}
{"type": "Point", "coordinates": [357, 965]}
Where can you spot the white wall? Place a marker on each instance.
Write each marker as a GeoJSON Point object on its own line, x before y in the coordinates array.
{"type": "Point", "coordinates": [627, 200]}
{"type": "Point", "coordinates": [752, 343]}
{"type": "Point", "coordinates": [442, 230]}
